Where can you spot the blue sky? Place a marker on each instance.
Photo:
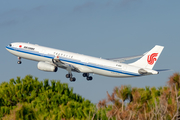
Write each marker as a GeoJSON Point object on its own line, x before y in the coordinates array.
{"type": "Point", "coordinates": [106, 29]}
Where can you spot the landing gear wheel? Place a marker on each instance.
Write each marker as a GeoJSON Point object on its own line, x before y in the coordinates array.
{"type": "Point", "coordinates": [19, 62]}
{"type": "Point", "coordinates": [73, 79]}
{"type": "Point", "coordinates": [89, 78]}
{"type": "Point", "coordinates": [67, 75]}
{"type": "Point", "coordinates": [85, 74]}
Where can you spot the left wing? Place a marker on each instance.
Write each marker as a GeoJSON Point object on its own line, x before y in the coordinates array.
{"type": "Point", "coordinates": [70, 67]}
{"type": "Point", "coordinates": [61, 64]}
{"type": "Point", "coordinates": [57, 61]}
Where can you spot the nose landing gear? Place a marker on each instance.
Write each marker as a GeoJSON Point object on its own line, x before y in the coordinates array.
{"type": "Point", "coordinates": [19, 62]}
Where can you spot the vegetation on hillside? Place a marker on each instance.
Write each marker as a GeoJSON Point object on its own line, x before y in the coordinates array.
{"type": "Point", "coordinates": [29, 98]}
{"type": "Point", "coordinates": [144, 103]}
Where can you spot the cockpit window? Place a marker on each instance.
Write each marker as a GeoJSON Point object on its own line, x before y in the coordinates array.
{"type": "Point", "coordinates": [10, 45]}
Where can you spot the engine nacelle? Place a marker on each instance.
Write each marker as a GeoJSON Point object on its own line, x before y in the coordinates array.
{"type": "Point", "coordinates": [46, 67]}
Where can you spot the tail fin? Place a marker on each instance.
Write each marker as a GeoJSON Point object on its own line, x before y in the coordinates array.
{"type": "Point", "coordinates": [150, 58]}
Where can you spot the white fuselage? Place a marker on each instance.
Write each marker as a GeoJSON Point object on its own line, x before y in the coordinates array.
{"type": "Point", "coordinates": [85, 64]}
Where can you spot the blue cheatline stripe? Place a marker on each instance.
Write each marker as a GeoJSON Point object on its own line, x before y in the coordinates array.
{"type": "Point", "coordinates": [98, 67]}
{"type": "Point", "coordinates": [30, 52]}
{"type": "Point", "coordinates": [71, 61]}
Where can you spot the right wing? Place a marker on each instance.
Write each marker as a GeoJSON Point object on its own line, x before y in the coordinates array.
{"type": "Point", "coordinates": [123, 59]}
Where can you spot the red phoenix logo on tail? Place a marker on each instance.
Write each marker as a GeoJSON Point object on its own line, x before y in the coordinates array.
{"type": "Point", "coordinates": [151, 58]}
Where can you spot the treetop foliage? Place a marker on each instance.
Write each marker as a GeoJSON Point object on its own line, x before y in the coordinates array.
{"type": "Point", "coordinates": [144, 103]}
{"type": "Point", "coordinates": [29, 98]}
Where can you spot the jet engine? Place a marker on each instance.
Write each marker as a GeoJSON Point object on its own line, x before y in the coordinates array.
{"type": "Point", "coordinates": [46, 67]}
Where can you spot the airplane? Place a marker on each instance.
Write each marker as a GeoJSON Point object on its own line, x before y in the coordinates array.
{"type": "Point", "coordinates": [50, 60]}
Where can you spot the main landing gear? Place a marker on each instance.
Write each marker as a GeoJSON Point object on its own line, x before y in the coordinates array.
{"type": "Point", "coordinates": [87, 76]}
{"type": "Point", "coordinates": [19, 62]}
{"type": "Point", "coordinates": [72, 79]}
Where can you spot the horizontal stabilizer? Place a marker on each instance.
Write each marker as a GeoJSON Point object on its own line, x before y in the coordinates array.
{"type": "Point", "coordinates": [160, 70]}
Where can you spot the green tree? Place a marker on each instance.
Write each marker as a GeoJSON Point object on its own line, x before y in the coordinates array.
{"type": "Point", "coordinates": [28, 98]}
